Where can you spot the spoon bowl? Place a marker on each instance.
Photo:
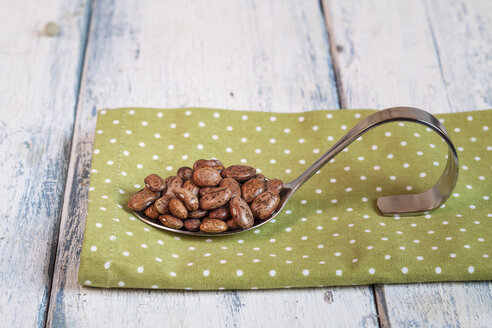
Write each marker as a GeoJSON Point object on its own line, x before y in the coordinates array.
{"type": "Point", "coordinates": [402, 205]}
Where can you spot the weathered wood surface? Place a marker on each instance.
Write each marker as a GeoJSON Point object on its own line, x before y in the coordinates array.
{"type": "Point", "coordinates": [434, 55]}
{"type": "Point", "coordinates": [38, 89]}
{"type": "Point", "coordinates": [268, 55]}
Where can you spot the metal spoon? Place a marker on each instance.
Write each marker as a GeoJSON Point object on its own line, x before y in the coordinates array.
{"type": "Point", "coordinates": [403, 205]}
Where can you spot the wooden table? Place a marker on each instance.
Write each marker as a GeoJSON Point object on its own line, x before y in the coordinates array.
{"type": "Point", "coordinates": [277, 55]}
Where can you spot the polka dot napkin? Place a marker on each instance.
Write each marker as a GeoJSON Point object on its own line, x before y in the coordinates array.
{"type": "Point", "coordinates": [329, 233]}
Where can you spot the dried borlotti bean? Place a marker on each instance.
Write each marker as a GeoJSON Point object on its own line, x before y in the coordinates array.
{"type": "Point", "coordinates": [171, 221]}
{"type": "Point", "coordinates": [209, 198]}
{"type": "Point", "coordinates": [264, 205]}
{"type": "Point", "coordinates": [215, 199]}
{"type": "Point", "coordinates": [154, 182]}
{"type": "Point", "coordinates": [206, 177]}
{"type": "Point", "coordinates": [142, 199]}
{"type": "Point", "coordinates": [239, 172]}
{"type": "Point", "coordinates": [213, 163]}
{"type": "Point", "coordinates": [178, 209]}
{"type": "Point", "coordinates": [252, 188]}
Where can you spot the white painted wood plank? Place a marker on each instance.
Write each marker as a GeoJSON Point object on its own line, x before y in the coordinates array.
{"type": "Point", "coordinates": [38, 86]}
{"type": "Point", "coordinates": [267, 55]}
{"type": "Point", "coordinates": [434, 55]}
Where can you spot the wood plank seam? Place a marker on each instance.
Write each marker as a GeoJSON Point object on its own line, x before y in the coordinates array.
{"type": "Point", "coordinates": [342, 100]}
{"type": "Point", "coordinates": [438, 54]}
{"type": "Point", "coordinates": [81, 70]}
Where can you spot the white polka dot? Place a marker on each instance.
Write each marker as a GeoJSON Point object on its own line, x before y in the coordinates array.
{"type": "Point", "coordinates": [471, 269]}
{"type": "Point", "coordinates": [273, 140]}
{"type": "Point", "coordinates": [93, 248]}
{"type": "Point", "coordinates": [420, 258]}
{"type": "Point", "coordinates": [343, 127]}
{"type": "Point", "coordinates": [113, 140]}
{"type": "Point", "coordinates": [201, 124]}
{"type": "Point", "coordinates": [206, 273]}
{"type": "Point", "coordinates": [273, 118]}
{"type": "Point", "coordinates": [372, 271]}
{"type": "Point", "coordinates": [305, 272]}
{"type": "Point", "coordinates": [272, 273]}
{"type": "Point", "coordinates": [107, 265]}
{"type": "Point", "coordinates": [404, 270]}
{"type": "Point", "coordinates": [452, 255]}
{"type": "Point", "coordinates": [239, 273]}
{"type": "Point", "coordinates": [301, 140]}
{"type": "Point", "coordinates": [376, 167]}
{"type": "Point", "coordinates": [258, 151]}
{"type": "Point", "coordinates": [139, 166]}
{"type": "Point", "coordinates": [186, 134]}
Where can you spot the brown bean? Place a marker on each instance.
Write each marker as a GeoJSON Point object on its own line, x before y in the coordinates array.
{"type": "Point", "coordinates": [185, 173]}
{"type": "Point", "coordinates": [252, 188]}
{"type": "Point", "coordinates": [171, 221]}
{"type": "Point", "coordinates": [221, 213]}
{"type": "Point", "coordinates": [172, 183]}
{"type": "Point", "coordinates": [264, 205]}
{"type": "Point", "coordinates": [232, 225]}
{"type": "Point", "coordinates": [239, 172]}
{"type": "Point", "coordinates": [197, 214]}
{"type": "Point", "coordinates": [206, 177]}
{"type": "Point", "coordinates": [213, 226]}
{"type": "Point", "coordinates": [215, 199]}
{"type": "Point", "coordinates": [142, 199]}
{"type": "Point", "coordinates": [233, 185]}
{"type": "Point", "coordinates": [213, 163]}
{"type": "Point", "coordinates": [192, 224]}
{"type": "Point", "coordinates": [151, 212]}
{"type": "Point", "coordinates": [154, 182]}
{"type": "Point", "coordinates": [241, 213]}
{"type": "Point", "coordinates": [187, 197]}
{"type": "Point", "coordinates": [275, 186]}
{"type": "Point", "coordinates": [162, 204]}
{"type": "Point", "coordinates": [189, 185]}
{"type": "Point", "coordinates": [178, 209]}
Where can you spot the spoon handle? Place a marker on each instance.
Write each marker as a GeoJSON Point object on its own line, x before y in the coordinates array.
{"type": "Point", "coordinates": [413, 204]}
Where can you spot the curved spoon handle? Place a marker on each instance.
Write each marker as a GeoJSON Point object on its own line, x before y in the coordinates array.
{"type": "Point", "coordinates": [404, 204]}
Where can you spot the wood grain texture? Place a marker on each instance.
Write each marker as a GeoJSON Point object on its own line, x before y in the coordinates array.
{"type": "Point", "coordinates": [267, 55]}
{"type": "Point", "coordinates": [434, 55]}
{"type": "Point", "coordinates": [39, 85]}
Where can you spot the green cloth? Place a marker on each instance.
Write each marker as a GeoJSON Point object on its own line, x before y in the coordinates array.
{"type": "Point", "coordinates": [329, 233]}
